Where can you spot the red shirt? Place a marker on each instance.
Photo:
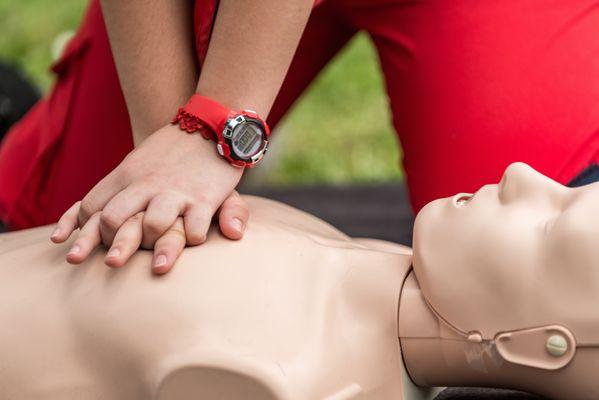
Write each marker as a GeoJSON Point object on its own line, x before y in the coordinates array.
{"type": "Point", "coordinates": [473, 86]}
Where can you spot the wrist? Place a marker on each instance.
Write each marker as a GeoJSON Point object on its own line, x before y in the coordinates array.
{"type": "Point", "coordinates": [241, 137]}
{"type": "Point", "coordinates": [205, 149]}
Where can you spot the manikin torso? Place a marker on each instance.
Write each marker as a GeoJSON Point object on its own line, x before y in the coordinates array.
{"type": "Point", "coordinates": [296, 304]}
{"type": "Point", "coordinates": [297, 310]}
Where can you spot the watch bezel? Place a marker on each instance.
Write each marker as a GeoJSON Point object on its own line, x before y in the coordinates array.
{"type": "Point", "coordinates": [246, 117]}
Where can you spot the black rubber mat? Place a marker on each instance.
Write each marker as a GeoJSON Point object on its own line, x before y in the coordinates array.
{"type": "Point", "coordinates": [380, 211]}
{"type": "Point", "coordinates": [17, 96]}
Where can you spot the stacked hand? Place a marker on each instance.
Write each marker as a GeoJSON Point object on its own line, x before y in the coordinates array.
{"type": "Point", "coordinates": [163, 196]}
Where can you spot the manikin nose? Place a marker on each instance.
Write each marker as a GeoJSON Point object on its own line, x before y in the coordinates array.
{"type": "Point", "coordinates": [520, 181]}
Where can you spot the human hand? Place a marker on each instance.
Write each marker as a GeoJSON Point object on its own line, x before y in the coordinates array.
{"type": "Point", "coordinates": [126, 241]}
{"type": "Point", "coordinates": [128, 238]}
{"type": "Point", "coordinates": [171, 174]}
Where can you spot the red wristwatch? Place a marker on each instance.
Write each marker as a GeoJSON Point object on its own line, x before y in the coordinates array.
{"type": "Point", "coordinates": [241, 136]}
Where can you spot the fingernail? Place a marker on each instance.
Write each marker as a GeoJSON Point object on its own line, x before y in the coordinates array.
{"type": "Point", "coordinates": [55, 233]}
{"type": "Point", "coordinates": [160, 261]}
{"type": "Point", "coordinates": [75, 249]}
{"type": "Point", "coordinates": [237, 224]}
{"type": "Point", "coordinates": [114, 253]}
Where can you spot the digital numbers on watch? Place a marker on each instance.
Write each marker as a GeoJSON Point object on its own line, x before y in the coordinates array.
{"type": "Point", "coordinates": [246, 140]}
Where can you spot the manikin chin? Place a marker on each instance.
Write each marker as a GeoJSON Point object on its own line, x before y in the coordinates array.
{"type": "Point", "coordinates": [502, 291]}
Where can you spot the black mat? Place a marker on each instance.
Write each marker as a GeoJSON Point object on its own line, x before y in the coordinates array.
{"type": "Point", "coordinates": [380, 211]}
{"type": "Point", "coordinates": [17, 96]}
{"type": "Point", "coordinates": [484, 394]}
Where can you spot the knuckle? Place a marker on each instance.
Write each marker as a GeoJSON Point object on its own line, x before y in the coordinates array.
{"type": "Point", "coordinates": [110, 220]}
{"type": "Point", "coordinates": [84, 238]}
{"type": "Point", "coordinates": [236, 197]}
{"type": "Point", "coordinates": [175, 233]}
{"type": "Point", "coordinates": [145, 187]}
{"type": "Point", "coordinates": [240, 209]}
{"type": "Point", "coordinates": [129, 167]}
{"type": "Point", "coordinates": [196, 235]}
{"type": "Point", "coordinates": [242, 203]}
{"type": "Point", "coordinates": [76, 207]}
{"type": "Point", "coordinates": [179, 181]}
{"type": "Point", "coordinates": [139, 191]}
{"type": "Point", "coordinates": [151, 178]}
{"type": "Point", "coordinates": [195, 238]}
{"type": "Point", "coordinates": [236, 202]}
{"type": "Point", "coordinates": [236, 211]}
{"type": "Point", "coordinates": [202, 200]}
{"type": "Point", "coordinates": [136, 218]}
{"type": "Point", "coordinates": [168, 198]}
{"type": "Point", "coordinates": [147, 244]}
{"type": "Point", "coordinates": [152, 226]}
{"type": "Point", "coordinates": [86, 208]}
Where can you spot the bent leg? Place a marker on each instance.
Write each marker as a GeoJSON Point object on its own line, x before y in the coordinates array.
{"type": "Point", "coordinates": [69, 140]}
{"type": "Point", "coordinates": [474, 87]}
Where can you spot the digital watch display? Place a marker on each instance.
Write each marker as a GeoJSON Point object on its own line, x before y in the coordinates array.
{"type": "Point", "coordinates": [244, 137]}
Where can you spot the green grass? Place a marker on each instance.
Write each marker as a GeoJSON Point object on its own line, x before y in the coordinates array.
{"type": "Point", "coordinates": [338, 132]}
{"type": "Point", "coordinates": [28, 29]}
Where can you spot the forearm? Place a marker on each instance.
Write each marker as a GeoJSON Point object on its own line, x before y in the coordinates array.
{"type": "Point", "coordinates": [251, 48]}
{"type": "Point", "coordinates": [152, 46]}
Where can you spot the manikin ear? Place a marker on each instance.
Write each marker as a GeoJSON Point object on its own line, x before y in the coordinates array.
{"type": "Point", "coordinates": [218, 376]}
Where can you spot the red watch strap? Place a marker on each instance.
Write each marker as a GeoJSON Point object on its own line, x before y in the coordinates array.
{"type": "Point", "coordinates": [211, 114]}
{"type": "Point", "coordinates": [209, 111]}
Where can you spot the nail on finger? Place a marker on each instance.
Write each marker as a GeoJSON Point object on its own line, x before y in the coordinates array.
{"type": "Point", "coordinates": [75, 249]}
{"type": "Point", "coordinates": [237, 224]}
{"type": "Point", "coordinates": [56, 233]}
{"type": "Point", "coordinates": [114, 253]}
{"type": "Point", "coordinates": [160, 261]}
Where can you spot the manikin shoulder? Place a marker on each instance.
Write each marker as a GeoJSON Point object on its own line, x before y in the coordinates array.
{"type": "Point", "coordinates": [248, 312]}
{"type": "Point", "coordinates": [280, 339]}
{"type": "Point", "coordinates": [270, 213]}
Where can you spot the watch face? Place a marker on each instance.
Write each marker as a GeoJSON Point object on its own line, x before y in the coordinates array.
{"type": "Point", "coordinates": [246, 139]}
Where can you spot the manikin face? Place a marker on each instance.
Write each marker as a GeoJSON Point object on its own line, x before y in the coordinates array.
{"type": "Point", "coordinates": [517, 249]}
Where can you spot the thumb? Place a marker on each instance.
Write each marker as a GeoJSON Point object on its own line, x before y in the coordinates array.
{"type": "Point", "coordinates": [233, 216]}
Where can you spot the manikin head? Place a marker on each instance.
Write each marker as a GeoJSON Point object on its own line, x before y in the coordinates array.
{"type": "Point", "coordinates": [519, 254]}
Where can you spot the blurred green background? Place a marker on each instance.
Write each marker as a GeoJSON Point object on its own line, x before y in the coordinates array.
{"type": "Point", "coordinates": [338, 132]}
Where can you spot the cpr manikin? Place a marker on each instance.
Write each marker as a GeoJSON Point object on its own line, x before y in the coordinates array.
{"type": "Point", "coordinates": [503, 292]}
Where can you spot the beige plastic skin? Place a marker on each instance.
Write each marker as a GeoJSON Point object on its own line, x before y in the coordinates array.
{"type": "Point", "coordinates": [512, 278]}
{"type": "Point", "coordinates": [296, 310]}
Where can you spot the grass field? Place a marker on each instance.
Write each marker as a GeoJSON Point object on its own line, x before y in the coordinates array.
{"type": "Point", "coordinates": [338, 132]}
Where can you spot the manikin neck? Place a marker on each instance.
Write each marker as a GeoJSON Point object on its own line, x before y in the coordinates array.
{"type": "Point", "coordinates": [437, 354]}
